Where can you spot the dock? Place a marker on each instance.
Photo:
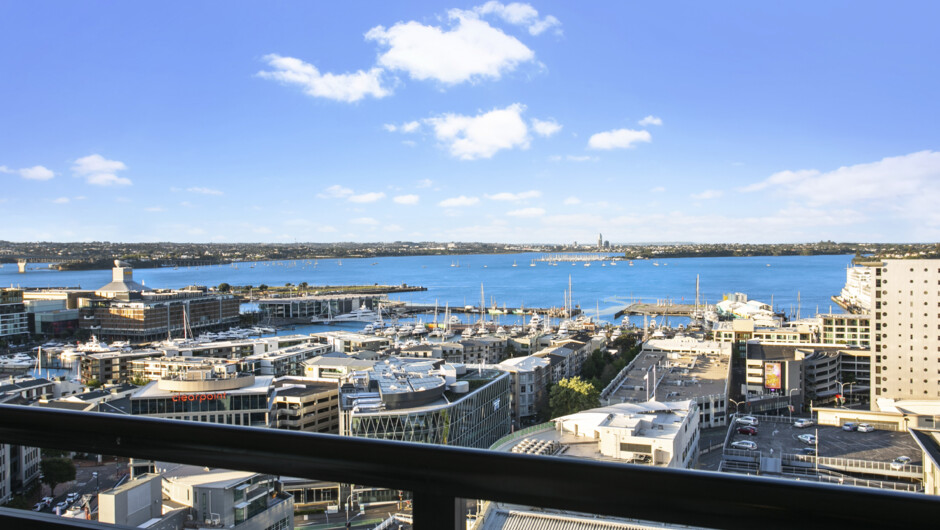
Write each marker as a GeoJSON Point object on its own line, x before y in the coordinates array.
{"type": "Point", "coordinates": [554, 312]}
{"type": "Point", "coordinates": [662, 309]}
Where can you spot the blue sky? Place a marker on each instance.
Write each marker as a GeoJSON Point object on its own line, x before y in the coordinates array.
{"type": "Point", "coordinates": [479, 121]}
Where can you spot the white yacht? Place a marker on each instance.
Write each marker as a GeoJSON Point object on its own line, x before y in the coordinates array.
{"type": "Point", "coordinates": [363, 314]}
{"type": "Point", "coordinates": [535, 321]}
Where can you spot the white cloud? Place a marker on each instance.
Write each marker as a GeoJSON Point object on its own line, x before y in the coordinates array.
{"type": "Point", "coordinates": [61, 200]}
{"type": "Point", "coordinates": [519, 14]}
{"type": "Point", "coordinates": [4, 169]}
{"type": "Point", "coordinates": [571, 201]}
{"type": "Point", "coordinates": [708, 194]}
{"type": "Point", "coordinates": [407, 199]}
{"type": "Point", "coordinates": [650, 120]}
{"type": "Point", "coordinates": [527, 212]}
{"type": "Point", "coordinates": [99, 171]}
{"type": "Point", "coordinates": [364, 221]}
{"type": "Point", "coordinates": [618, 139]}
{"type": "Point", "coordinates": [545, 128]}
{"type": "Point", "coordinates": [407, 127]}
{"type": "Point", "coordinates": [36, 173]}
{"type": "Point", "coordinates": [204, 191]}
{"type": "Point", "coordinates": [482, 136]}
{"type": "Point", "coordinates": [367, 197]}
{"type": "Point", "coordinates": [335, 192]}
{"type": "Point", "coordinates": [469, 50]}
{"type": "Point", "coordinates": [506, 196]}
{"type": "Point", "coordinates": [425, 183]}
{"type": "Point", "coordinates": [574, 158]}
{"type": "Point", "coordinates": [657, 189]}
{"type": "Point", "coordinates": [348, 88]}
{"type": "Point", "coordinates": [459, 201]}
{"type": "Point", "coordinates": [913, 177]}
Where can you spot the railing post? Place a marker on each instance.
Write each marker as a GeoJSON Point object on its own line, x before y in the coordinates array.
{"type": "Point", "coordinates": [434, 511]}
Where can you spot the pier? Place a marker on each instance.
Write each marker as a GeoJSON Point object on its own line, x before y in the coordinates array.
{"type": "Point", "coordinates": [668, 309]}
{"type": "Point", "coordinates": [554, 312]}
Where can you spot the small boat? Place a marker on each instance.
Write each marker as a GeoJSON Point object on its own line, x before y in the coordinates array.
{"type": "Point", "coordinates": [514, 263]}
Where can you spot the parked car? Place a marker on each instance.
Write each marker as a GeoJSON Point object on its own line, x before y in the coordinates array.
{"type": "Point", "coordinates": [865, 427]}
{"type": "Point", "coordinates": [47, 500]}
{"type": "Point", "coordinates": [744, 444]}
{"type": "Point", "coordinates": [809, 451]}
{"type": "Point", "coordinates": [748, 430]}
{"type": "Point", "coordinates": [62, 505]}
{"type": "Point", "coordinates": [39, 506]}
{"type": "Point", "coordinates": [900, 462]}
{"type": "Point", "coordinates": [850, 426]}
{"type": "Point", "coordinates": [807, 438]}
{"type": "Point", "coordinates": [72, 497]}
{"type": "Point", "coordinates": [747, 420]}
{"type": "Point", "coordinates": [803, 422]}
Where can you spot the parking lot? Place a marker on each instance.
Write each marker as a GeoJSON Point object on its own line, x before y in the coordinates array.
{"type": "Point", "coordinates": [879, 446]}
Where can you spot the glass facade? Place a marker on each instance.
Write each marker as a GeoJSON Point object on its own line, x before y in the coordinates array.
{"type": "Point", "coordinates": [477, 420]}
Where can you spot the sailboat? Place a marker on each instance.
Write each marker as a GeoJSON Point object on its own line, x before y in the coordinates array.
{"type": "Point", "coordinates": [514, 263]}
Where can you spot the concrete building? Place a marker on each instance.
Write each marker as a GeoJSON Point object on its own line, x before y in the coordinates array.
{"type": "Point", "coordinates": [220, 498]}
{"type": "Point", "coordinates": [530, 377]}
{"type": "Point", "coordinates": [427, 402]}
{"type": "Point", "coordinates": [738, 332]}
{"type": "Point", "coordinates": [334, 369]}
{"type": "Point", "coordinates": [348, 342]}
{"type": "Point", "coordinates": [483, 350]}
{"type": "Point", "coordinates": [303, 404]}
{"type": "Point", "coordinates": [51, 317]}
{"type": "Point", "coordinates": [906, 348]}
{"type": "Point", "coordinates": [846, 330]}
{"type": "Point", "coordinates": [318, 306]}
{"type": "Point", "coordinates": [216, 395]}
{"type": "Point", "coordinates": [134, 503]}
{"type": "Point", "coordinates": [127, 310]}
{"type": "Point", "coordinates": [14, 322]}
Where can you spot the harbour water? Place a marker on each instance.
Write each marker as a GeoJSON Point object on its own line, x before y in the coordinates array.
{"type": "Point", "coordinates": [456, 280]}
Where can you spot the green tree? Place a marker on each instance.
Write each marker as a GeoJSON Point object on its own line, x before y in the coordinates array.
{"type": "Point", "coordinates": [573, 395]}
{"type": "Point", "coordinates": [224, 287]}
{"type": "Point", "coordinates": [55, 471]}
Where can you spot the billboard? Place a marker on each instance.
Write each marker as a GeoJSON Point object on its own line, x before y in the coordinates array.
{"type": "Point", "coordinates": [773, 376]}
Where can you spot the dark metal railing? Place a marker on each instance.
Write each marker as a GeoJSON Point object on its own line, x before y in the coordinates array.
{"type": "Point", "coordinates": [438, 476]}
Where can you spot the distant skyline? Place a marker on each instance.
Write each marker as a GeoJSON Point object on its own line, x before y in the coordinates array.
{"type": "Point", "coordinates": [471, 121]}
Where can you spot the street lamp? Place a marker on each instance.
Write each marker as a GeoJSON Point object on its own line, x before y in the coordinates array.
{"type": "Point", "coordinates": [790, 401]}
{"type": "Point", "coordinates": [348, 497]}
{"type": "Point", "coordinates": [841, 385]}
{"type": "Point", "coordinates": [737, 404]}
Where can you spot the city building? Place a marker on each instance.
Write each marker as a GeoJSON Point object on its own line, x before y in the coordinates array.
{"type": "Point", "coordinates": [736, 305]}
{"type": "Point", "coordinates": [127, 310]}
{"type": "Point", "coordinates": [137, 502]}
{"type": "Point", "coordinates": [14, 322]}
{"type": "Point", "coordinates": [846, 330]}
{"type": "Point", "coordinates": [303, 404]}
{"type": "Point", "coordinates": [6, 488]}
{"type": "Point", "coordinates": [906, 346]}
{"type": "Point", "coordinates": [51, 317]}
{"type": "Point", "coordinates": [530, 377]}
{"type": "Point", "coordinates": [349, 342]}
{"type": "Point", "coordinates": [856, 296]}
{"type": "Point", "coordinates": [483, 350]}
{"type": "Point", "coordinates": [333, 368]}
{"type": "Point", "coordinates": [738, 332]}
{"type": "Point", "coordinates": [427, 402]}
{"type": "Point", "coordinates": [220, 498]}
{"type": "Point", "coordinates": [318, 306]}
{"type": "Point", "coordinates": [216, 394]}
{"type": "Point", "coordinates": [662, 434]}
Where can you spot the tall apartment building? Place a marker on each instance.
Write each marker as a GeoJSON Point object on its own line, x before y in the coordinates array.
{"type": "Point", "coordinates": [14, 322]}
{"type": "Point", "coordinates": [906, 328]}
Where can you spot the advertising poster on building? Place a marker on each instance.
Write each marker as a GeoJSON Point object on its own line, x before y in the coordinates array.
{"type": "Point", "coordinates": [773, 376]}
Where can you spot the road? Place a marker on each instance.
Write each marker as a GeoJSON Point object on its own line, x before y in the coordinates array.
{"type": "Point", "coordinates": [322, 521]}
{"type": "Point", "coordinates": [85, 483]}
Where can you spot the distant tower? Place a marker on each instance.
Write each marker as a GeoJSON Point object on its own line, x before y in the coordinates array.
{"type": "Point", "coordinates": [600, 240]}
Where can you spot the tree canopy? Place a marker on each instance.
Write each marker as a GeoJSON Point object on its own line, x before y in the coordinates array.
{"type": "Point", "coordinates": [573, 395]}
{"type": "Point", "coordinates": [55, 471]}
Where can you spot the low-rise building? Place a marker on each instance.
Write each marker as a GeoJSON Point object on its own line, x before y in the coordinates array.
{"type": "Point", "coordinates": [303, 404]}
{"type": "Point", "coordinates": [530, 377]}
{"type": "Point", "coordinates": [846, 330]}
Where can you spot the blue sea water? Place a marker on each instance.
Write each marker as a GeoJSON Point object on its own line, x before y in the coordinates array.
{"type": "Point", "coordinates": [607, 288]}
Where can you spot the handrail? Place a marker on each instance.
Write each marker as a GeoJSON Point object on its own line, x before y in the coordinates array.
{"type": "Point", "coordinates": [439, 476]}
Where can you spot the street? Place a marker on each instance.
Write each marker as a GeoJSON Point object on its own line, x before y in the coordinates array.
{"type": "Point", "coordinates": [87, 479]}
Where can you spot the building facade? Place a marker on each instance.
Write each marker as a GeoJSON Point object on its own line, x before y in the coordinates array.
{"type": "Point", "coordinates": [14, 322]}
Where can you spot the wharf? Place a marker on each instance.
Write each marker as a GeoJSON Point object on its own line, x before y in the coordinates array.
{"type": "Point", "coordinates": [555, 312]}
{"type": "Point", "coordinates": [668, 309]}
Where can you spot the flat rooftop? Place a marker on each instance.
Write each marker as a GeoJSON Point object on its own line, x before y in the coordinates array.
{"type": "Point", "coordinates": [687, 376]}
{"type": "Point", "coordinates": [877, 446]}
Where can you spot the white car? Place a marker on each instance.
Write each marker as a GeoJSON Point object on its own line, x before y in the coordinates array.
{"type": "Point", "coordinates": [72, 497]}
{"type": "Point", "coordinates": [808, 439]}
{"type": "Point", "coordinates": [803, 422]}
{"type": "Point", "coordinates": [865, 427]}
{"type": "Point", "coordinates": [747, 420]}
{"type": "Point", "coordinates": [744, 444]}
{"type": "Point", "coordinates": [900, 462]}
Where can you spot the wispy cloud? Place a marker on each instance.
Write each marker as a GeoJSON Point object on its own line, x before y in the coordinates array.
{"type": "Point", "coordinates": [347, 88]}
{"type": "Point", "coordinates": [571, 201]}
{"type": "Point", "coordinates": [30, 173]}
{"type": "Point", "coordinates": [407, 127]}
{"type": "Point", "coordinates": [204, 191]}
{"type": "Point", "coordinates": [367, 197]}
{"type": "Point", "coordinates": [462, 200]}
{"type": "Point", "coordinates": [61, 200]}
{"type": "Point", "coordinates": [527, 212]}
{"type": "Point", "coordinates": [707, 194]}
{"type": "Point", "coordinates": [545, 128]}
{"type": "Point", "coordinates": [406, 199]}
{"type": "Point", "coordinates": [521, 15]}
{"type": "Point", "coordinates": [507, 196]}
{"type": "Point", "coordinates": [99, 171]}
{"type": "Point", "coordinates": [650, 120]}
{"type": "Point", "coordinates": [618, 139]}
{"type": "Point", "coordinates": [425, 183]}
{"type": "Point", "coordinates": [335, 192]}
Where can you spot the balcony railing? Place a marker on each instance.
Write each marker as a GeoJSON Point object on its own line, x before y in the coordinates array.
{"type": "Point", "coordinates": [439, 476]}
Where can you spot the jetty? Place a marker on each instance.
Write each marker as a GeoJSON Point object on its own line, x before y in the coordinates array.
{"type": "Point", "coordinates": [668, 309]}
